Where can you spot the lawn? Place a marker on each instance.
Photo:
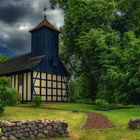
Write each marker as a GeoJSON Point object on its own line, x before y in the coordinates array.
{"type": "Point", "coordinates": [76, 120]}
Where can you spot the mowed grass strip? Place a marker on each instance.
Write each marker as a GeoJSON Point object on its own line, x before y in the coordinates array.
{"type": "Point", "coordinates": [76, 120]}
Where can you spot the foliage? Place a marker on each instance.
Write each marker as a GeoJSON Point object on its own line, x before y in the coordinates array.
{"type": "Point", "coordinates": [62, 3]}
{"type": "Point", "coordinates": [128, 17]}
{"type": "Point", "coordinates": [8, 94]}
{"type": "Point", "coordinates": [101, 104]}
{"type": "Point", "coordinates": [122, 80]}
{"type": "Point", "coordinates": [101, 48]}
{"type": "Point", "coordinates": [2, 107]}
{"type": "Point", "coordinates": [71, 89]}
{"type": "Point", "coordinates": [78, 88]}
{"type": "Point", "coordinates": [37, 101]}
{"type": "Point", "coordinates": [3, 58]}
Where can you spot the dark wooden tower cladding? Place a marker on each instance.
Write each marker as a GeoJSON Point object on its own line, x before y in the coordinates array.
{"type": "Point", "coordinates": [40, 72]}
{"type": "Point", "coordinates": [45, 40]}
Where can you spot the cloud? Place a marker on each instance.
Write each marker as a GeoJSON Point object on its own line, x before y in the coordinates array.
{"type": "Point", "coordinates": [17, 17]}
{"type": "Point", "coordinates": [6, 51]}
{"type": "Point", "coordinates": [12, 13]}
{"type": "Point", "coordinates": [56, 17]}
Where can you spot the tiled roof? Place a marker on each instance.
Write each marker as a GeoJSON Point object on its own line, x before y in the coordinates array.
{"type": "Point", "coordinates": [19, 63]}
{"type": "Point", "coordinates": [45, 23]}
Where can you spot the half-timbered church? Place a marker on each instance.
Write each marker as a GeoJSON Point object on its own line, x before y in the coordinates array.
{"type": "Point", "coordinates": [40, 72]}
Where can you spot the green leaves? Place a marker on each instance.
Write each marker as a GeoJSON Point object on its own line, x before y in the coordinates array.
{"type": "Point", "coordinates": [120, 78]}
{"type": "Point", "coordinates": [3, 58]}
{"type": "Point", "coordinates": [8, 95]}
{"type": "Point", "coordinates": [130, 17]}
{"type": "Point", "coordinates": [37, 101]}
{"type": "Point", "coordinates": [101, 41]}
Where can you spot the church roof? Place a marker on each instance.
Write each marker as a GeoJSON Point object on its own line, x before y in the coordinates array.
{"type": "Point", "coordinates": [19, 63]}
{"type": "Point", "coordinates": [45, 23]}
{"type": "Point", "coordinates": [26, 62]}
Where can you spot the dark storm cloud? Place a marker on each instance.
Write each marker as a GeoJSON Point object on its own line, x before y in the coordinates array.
{"type": "Point", "coordinates": [17, 17]}
{"type": "Point", "coordinates": [11, 13]}
{"type": "Point", "coordinates": [19, 43]}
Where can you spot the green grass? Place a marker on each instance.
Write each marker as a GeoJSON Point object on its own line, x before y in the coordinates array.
{"type": "Point", "coordinates": [76, 120]}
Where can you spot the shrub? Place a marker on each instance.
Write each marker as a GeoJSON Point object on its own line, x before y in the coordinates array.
{"type": "Point", "coordinates": [37, 101]}
{"type": "Point", "coordinates": [102, 104]}
{"type": "Point", "coordinates": [120, 106]}
{"type": "Point", "coordinates": [13, 96]}
{"type": "Point", "coordinates": [8, 94]}
{"type": "Point", "coordinates": [2, 107]}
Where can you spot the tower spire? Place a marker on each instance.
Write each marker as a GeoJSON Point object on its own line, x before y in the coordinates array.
{"type": "Point", "coordinates": [45, 10]}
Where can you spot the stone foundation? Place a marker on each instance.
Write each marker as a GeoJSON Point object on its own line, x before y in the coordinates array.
{"type": "Point", "coordinates": [40, 129]}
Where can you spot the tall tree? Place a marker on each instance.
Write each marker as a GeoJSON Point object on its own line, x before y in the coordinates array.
{"type": "Point", "coordinates": [100, 45]}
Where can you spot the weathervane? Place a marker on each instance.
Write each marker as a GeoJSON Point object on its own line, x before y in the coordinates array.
{"type": "Point", "coordinates": [45, 10]}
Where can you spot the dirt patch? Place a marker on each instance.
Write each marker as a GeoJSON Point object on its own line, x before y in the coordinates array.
{"type": "Point", "coordinates": [97, 121]}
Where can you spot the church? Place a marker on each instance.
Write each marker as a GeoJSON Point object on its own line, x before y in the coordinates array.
{"type": "Point", "coordinates": [40, 72]}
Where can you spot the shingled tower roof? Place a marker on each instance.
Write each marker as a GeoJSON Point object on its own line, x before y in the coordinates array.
{"type": "Point", "coordinates": [45, 23]}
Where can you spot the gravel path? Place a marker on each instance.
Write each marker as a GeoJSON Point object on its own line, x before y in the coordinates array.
{"type": "Point", "coordinates": [97, 121]}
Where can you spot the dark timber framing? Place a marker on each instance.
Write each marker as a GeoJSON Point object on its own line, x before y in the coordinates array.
{"type": "Point", "coordinates": [14, 80]}
{"type": "Point", "coordinates": [22, 82]}
{"type": "Point", "coordinates": [23, 87]}
{"type": "Point", "coordinates": [52, 94]}
{"type": "Point", "coordinates": [32, 86]}
{"type": "Point", "coordinates": [50, 87]}
{"type": "Point", "coordinates": [46, 87]}
{"type": "Point", "coordinates": [40, 84]}
{"type": "Point", "coordinates": [27, 86]}
{"type": "Point", "coordinates": [18, 81]}
{"type": "Point", "coordinates": [56, 88]}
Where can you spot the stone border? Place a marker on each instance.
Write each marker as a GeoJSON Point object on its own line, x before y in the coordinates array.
{"type": "Point", "coordinates": [134, 123]}
{"type": "Point", "coordinates": [38, 129]}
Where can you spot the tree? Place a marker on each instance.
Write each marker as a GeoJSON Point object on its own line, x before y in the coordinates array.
{"type": "Point", "coordinates": [120, 78]}
{"type": "Point", "coordinates": [3, 58]}
{"type": "Point", "coordinates": [128, 17]}
{"type": "Point", "coordinates": [101, 47]}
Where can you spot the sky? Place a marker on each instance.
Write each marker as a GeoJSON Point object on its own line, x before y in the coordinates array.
{"type": "Point", "coordinates": [17, 17]}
